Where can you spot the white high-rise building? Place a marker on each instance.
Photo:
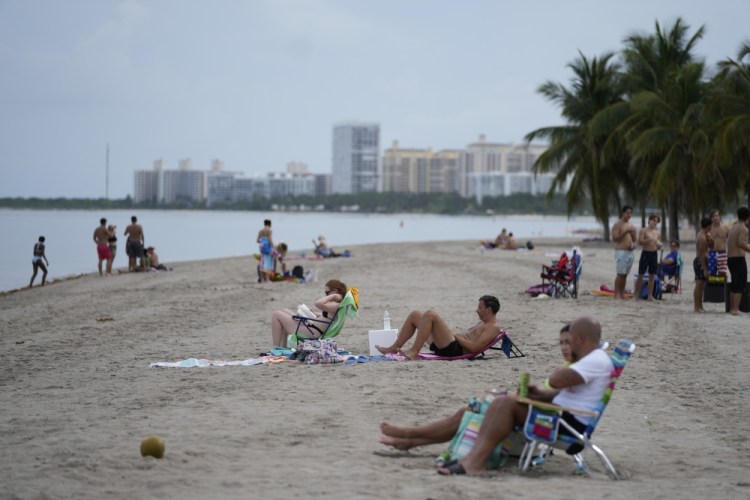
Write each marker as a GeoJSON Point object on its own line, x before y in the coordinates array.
{"type": "Point", "coordinates": [356, 150]}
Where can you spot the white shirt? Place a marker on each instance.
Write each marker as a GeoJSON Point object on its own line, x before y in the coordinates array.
{"type": "Point", "coordinates": [595, 368]}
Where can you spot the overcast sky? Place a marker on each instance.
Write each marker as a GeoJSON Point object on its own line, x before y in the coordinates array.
{"type": "Point", "coordinates": [259, 83]}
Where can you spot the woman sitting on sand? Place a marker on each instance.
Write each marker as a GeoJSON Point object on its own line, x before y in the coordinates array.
{"type": "Point", "coordinates": [283, 324]}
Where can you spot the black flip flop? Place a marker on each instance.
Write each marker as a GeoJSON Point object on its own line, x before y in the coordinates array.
{"type": "Point", "coordinates": [453, 470]}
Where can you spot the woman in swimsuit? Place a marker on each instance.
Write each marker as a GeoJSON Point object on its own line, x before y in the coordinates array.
{"type": "Point", "coordinates": [37, 261]}
{"type": "Point", "coordinates": [112, 241]}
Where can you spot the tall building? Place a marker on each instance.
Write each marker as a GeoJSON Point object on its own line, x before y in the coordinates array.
{"type": "Point", "coordinates": [146, 184]}
{"type": "Point", "coordinates": [484, 157]}
{"type": "Point", "coordinates": [184, 184]}
{"type": "Point", "coordinates": [419, 170]}
{"type": "Point", "coordinates": [356, 148]}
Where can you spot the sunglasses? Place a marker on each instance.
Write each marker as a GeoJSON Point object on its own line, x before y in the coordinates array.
{"type": "Point", "coordinates": [329, 292]}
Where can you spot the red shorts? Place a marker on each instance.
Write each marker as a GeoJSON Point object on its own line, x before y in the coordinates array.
{"type": "Point", "coordinates": [103, 250]}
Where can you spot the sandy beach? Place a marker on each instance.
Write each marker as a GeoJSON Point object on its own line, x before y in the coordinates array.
{"type": "Point", "coordinates": [77, 394]}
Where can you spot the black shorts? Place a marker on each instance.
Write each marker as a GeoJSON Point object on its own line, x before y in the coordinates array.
{"type": "Point", "coordinates": [649, 262]}
{"type": "Point", "coordinates": [578, 426]}
{"type": "Point", "coordinates": [738, 269]}
{"type": "Point", "coordinates": [134, 249]}
{"type": "Point", "coordinates": [451, 350]}
{"type": "Point", "coordinates": [698, 270]}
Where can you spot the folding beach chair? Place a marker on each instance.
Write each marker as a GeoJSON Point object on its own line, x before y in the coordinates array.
{"type": "Point", "coordinates": [506, 346]}
{"type": "Point", "coordinates": [671, 276]}
{"type": "Point", "coordinates": [316, 328]}
{"type": "Point", "coordinates": [543, 421]}
{"type": "Point", "coordinates": [563, 275]}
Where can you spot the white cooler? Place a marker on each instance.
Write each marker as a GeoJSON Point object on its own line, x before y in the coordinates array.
{"type": "Point", "coordinates": [383, 338]}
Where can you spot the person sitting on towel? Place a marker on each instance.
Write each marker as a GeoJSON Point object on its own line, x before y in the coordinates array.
{"type": "Point", "coordinates": [430, 327]}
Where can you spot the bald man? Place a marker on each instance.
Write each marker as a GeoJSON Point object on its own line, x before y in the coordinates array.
{"type": "Point", "coordinates": [579, 386]}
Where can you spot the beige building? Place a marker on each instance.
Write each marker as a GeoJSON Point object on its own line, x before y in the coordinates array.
{"type": "Point", "coordinates": [484, 157]}
{"type": "Point", "coordinates": [419, 170]}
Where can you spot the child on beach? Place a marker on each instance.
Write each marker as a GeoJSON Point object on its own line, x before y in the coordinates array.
{"type": "Point", "coordinates": [36, 261]}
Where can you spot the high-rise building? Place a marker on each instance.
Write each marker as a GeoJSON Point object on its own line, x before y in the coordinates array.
{"type": "Point", "coordinates": [356, 148]}
{"type": "Point", "coordinates": [146, 184]}
{"type": "Point", "coordinates": [419, 170]}
{"type": "Point", "coordinates": [484, 157]}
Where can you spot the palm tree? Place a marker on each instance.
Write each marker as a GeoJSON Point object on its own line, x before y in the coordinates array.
{"type": "Point", "coordinates": [574, 151]}
{"type": "Point", "coordinates": [664, 129]}
{"type": "Point", "coordinates": [730, 109]}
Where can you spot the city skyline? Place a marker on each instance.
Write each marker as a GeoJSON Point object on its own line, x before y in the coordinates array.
{"type": "Point", "coordinates": [260, 84]}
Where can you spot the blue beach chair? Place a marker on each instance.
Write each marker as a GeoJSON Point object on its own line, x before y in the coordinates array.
{"type": "Point", "coordinates": [543, 421]}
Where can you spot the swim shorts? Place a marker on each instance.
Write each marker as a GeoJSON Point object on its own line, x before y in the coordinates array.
{"type": "Point", "coordinates": [738, 270]}
{"type": "Point", "coordinates": [649, 262]}
{"type": "Point", "coordinates": [134, 249]}
{"type": "Point", "coordinates": [624, 260]}
{"type": "Point", "coordinates": [451, 350]}
{"type": "Point", "coordinates": [103, 250]}
{"type": "Point", "coordinates": [698, 269]}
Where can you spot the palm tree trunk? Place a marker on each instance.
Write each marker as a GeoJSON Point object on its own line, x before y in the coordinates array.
{"type": "Point", "coordinates": [674, 216]}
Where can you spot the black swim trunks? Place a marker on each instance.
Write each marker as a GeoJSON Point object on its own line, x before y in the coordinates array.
{"type": "Point", "coordinates": [451, 350]}
{"type": "Point", "coordinates": [649, 262]}
{"type": "Point", "coordinates": [575, 424]}
{"type": "Point", "coordinates": [698, 269]}
{"type": "Point", "coordinates": [738, 269]}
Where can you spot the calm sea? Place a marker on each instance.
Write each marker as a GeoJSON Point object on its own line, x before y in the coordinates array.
{"type": "Point", "coordinates": [194, 235]}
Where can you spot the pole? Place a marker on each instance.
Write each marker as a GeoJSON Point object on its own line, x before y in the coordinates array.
{"type": "Point", "coordinates": [106, 181]}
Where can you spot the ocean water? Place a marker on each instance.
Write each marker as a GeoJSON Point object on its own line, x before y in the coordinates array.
{"type": "Point", "coordinates": [195, 235]}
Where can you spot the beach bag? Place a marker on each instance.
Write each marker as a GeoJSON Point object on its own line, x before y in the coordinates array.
{"type": "Point", "coordinates": [657, 289]}
{"type": "Point", "coordinates": [466, 436]}
{"type": "Point", "coordinates": [298, 272]}
{"type": "Point", "coordinates": [320, 352]}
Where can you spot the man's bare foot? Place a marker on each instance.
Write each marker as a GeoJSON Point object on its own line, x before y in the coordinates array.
{"type": "Point", "coordinates": [734, 313]}
{"type": "Point", "coordinates": [397, 442]}
{"type": "Point", "coordinates": [699, 311]}
{"type": "Point", "coordinates": [391, 430]}
{"type": "Point", "coordinates": [650, 299]}
{"type": "Point", "coordinates": [409, 354]}
{"type": "Point", "coordinates": [387, 350]}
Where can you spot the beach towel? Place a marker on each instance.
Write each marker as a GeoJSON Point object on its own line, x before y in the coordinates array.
{"type": "Point", "coordinates": [205, 363]}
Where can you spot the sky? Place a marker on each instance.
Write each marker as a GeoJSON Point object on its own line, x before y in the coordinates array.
{"type": "Point", "coordinates": [260, 83]}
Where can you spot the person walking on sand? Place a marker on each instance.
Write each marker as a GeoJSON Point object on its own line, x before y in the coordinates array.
{"type": "Point", "coordinates": [134, 245]}
{"type": "Point", "coordinates": [700, 263]}
{"type": "Point", "coordinates": [430, 327]}
{"type": "Point", "coordinates": [624, 237]}
{"type": "Point", "coordinates": [737, 247]}
{"type": "Point", "coordinates": [36, 261]}
{"type": "Point", "coordinates": [650, 239]}
{"type": "Point", "coordinates": [101, 239]}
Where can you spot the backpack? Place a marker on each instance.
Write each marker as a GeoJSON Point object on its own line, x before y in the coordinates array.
{"type": "Point", "coordinates": [298, 272]}
{"type": "Point", "coordinates": [657, 289]}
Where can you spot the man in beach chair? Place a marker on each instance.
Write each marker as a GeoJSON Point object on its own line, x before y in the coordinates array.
{"type": "Point", "coordinates": [563, 275]}
{"type": "Point", "coordinates": [580, 388]}
{"type": "Point", "coordinates": [507, 346]}
{"type": "Point", "coordinates": [670, 269]}
{"type": "Point", "coordinates": [429, 327]}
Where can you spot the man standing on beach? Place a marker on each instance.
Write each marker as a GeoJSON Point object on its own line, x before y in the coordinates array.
{"type": "Point", "coordinates": [624, 237]}
{"type": "Point", "coordinates": [429, 326]}
{"type": "Point", "coordinates": [101, 238]}
{"type": "Point", "coordinates": [700, 263]}
{"type": "Point", "coordinates": [650, 239]}
{"type": "Point", "coordinates": [134, 245]}
{"type": "Point", "coordinates": [736, 248]}
{"type": "Point", "coordinates": [718, 250]}
{"type": "Point", "coordinates": [265, 242]}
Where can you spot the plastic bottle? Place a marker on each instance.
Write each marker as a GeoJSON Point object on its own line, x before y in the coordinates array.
{"type": "Point", "coordinates": [386, 321]}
